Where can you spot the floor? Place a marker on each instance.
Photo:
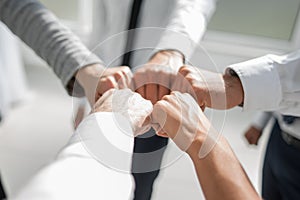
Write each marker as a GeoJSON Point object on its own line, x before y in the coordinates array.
{"type": "Point", "coordinates": [34, 132]}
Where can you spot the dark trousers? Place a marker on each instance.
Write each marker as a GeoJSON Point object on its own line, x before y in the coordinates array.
{"type": "Point", "coordinates": [281, 170]}
{"type": "Point", "coordinates": [2, 193]}
{"type": "Point", "coordinates": [148, 152]}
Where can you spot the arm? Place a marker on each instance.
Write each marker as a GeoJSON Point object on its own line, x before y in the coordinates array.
{"type": "Point", "coordinates": [61, 49]}
{"type": "Point", "coordinates": [52, 41]}
{"type": "Point", "coordinates": [266, 83]}
{"type": "Point", "coordinates": [273, 78]}
{"type": "Point", "coordinates": [81, 171]}
{"type": "Point", "coordinates": [209, 89]}
{"type": "Point", "coordinates": [181, 32]}
{"type": "Point", "coordinates": [219, 172]}
{"type": "Point", "coordinates": [98, 154]}
{"type": "Point", "coordinates": [176, 43]}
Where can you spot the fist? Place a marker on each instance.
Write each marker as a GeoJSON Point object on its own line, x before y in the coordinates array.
{"type": "Point", "coordinates": [179, 117]}
{"type": "Point", "coordinates": [252, 135]}
{"type": "Point", "coordinates": [130, 105]}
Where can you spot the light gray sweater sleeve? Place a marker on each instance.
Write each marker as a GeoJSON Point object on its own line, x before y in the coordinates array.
{"type": "Point", "coordinates": [52, 41]}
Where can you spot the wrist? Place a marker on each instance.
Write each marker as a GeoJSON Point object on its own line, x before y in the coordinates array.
{"type": "Point", "coordinates": [194, 148]}
{"type": "Point", "coordinates": [172, 58]}
{"type": "Point", "coordinates": [88, 76]}
{"type": "Point", "coordinates": [233, 88]}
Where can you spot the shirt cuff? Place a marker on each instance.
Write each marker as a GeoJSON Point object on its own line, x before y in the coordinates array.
{"type": "Point", "coordinates": [67, 75]}
{"type": "Point", "coordinates": [261, 83]}
{"type": "Point", "coordinates": [176, 41]}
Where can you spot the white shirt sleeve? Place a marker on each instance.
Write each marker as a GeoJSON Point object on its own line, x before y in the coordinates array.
{"type": "Point", "coordinates": [261, 119]}
{"type": "Point", "coordinates": [271, 82]}
{"type": "Point", "coordinates": [187, 25]}
{"type": "Point", "coordinates": [86, 168]}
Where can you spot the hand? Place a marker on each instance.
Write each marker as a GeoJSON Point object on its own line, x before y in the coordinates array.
{"type": "Point", "coordinates": [153, 80]}
{"type": "Point", "coordinates": [179, 117]}
{"type": "Point", "coordinates": [252, 135]}
{"type": "Point", "coordinates": [210, 89]}
{"type": "Point", "coordinates": [96, 80]}
{"type": "Point", "coordinates": [130, 105]}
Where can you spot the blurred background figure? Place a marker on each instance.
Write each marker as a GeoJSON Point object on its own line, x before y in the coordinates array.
{"type": "Point", "coordinates": [280, 176]}
{"type": "Point", "coordinates": [13, 84]}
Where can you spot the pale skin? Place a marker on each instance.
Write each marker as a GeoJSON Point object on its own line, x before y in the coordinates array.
{"type": "Point", "coordinates": [161, 75]}
{"type": "Point", "coordinates": [152, 80]}
{"type": "Point", "coordinates": [227, 180]}
{"type": "Point", "coordinates": [96, 80]}
{"type": "Point", "coordinates": [220, 174]}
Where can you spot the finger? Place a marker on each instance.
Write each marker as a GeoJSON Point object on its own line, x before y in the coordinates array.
{"type": "Point", "coordinates": [105, 84]}
{"type": "Point", "coordinates": [141, 91]}
{"type": "Point", "coordinates": [158, 115]}
{"type": "Point", "coordinates": [174, 99]}
{"type": "Point", "coordinates": [164, 85]}
{"type": "Point", "coordinates": [120, 79]}
{"type": "Point", "coordinates": [139, 87]}
{"type": "Point", "coordinates": [104, 97]}
{"type": "Point", "coordinates": [139, 79]}
{"type": "Point", "coordinates": [128, 75]}
{"type": "Point", "coordinates": [162, 91]}
{"type": "Point", "coordinates": [132, 86]}
{"type": "Point", "coordinates": [108, 82]}
{"type": "Point", "coordinates": [184, 70]}
{"type": "Point", "coordinates": [176, 85]}
{"type": "Point", "coordinates": [151, 92]}
{"type": "Point", "coordinates": [161, 133]}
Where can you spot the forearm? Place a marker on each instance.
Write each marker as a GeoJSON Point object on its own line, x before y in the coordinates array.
{"type": "Point", "coordinates": [220, 173]}
{"type": "Point", "coordinates": [84, 168]}
{"type": "Point", "coordinates": [42, 31]}
{"type": "Point", "coordinates": [168, 57]}
{"type": "Point", "coordinates": [181, 32]}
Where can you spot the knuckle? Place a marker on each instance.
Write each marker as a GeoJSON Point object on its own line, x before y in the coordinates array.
{"type": "Point", "coordinates": [119, 74]}
{"type": "Point", "coordinates": [159, 105]}
{"type": "Point", "coordinates": [167, 98]}
{"type": "Point", "coordinates": [184, 68]}
{"type": "Point", "coordinates": [125, 69]}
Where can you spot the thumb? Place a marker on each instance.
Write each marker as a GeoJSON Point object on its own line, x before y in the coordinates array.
{"type": "Point", "coordinates": [158, 115]}
{"type": "Point", "coordinates": [147, 121]}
